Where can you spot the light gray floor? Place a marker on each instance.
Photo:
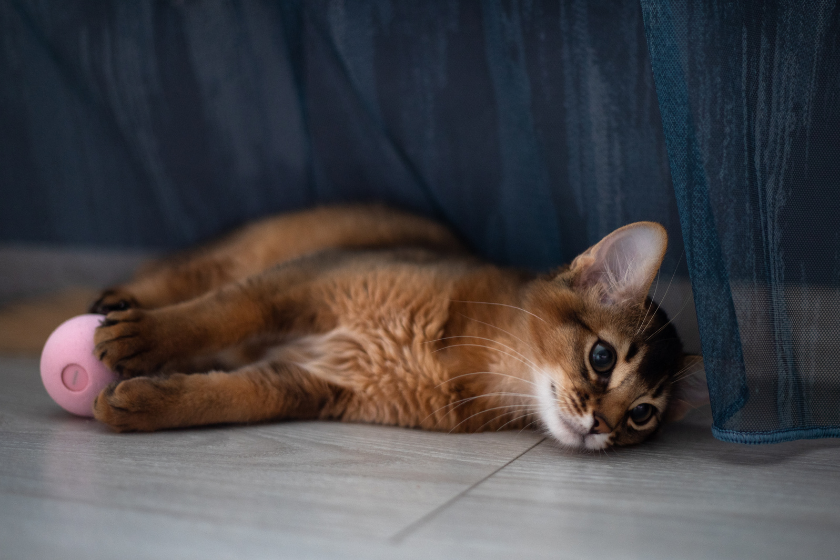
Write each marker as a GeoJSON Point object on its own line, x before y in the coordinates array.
{"type": "Point", "coordinates": [71, 489]}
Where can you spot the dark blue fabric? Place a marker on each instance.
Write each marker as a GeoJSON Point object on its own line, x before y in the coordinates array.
{"type": "Point", "coordinates": [750, 100]}
{"type": "Point", "coordinates": [531, 127]}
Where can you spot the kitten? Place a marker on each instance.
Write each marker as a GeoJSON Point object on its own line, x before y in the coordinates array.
{"type": "Point", "coordinates": [364, 314]}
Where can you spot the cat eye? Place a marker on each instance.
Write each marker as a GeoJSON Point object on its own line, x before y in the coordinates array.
{"type": "Point", "coordinates": [641, 414]}
{"type": "Point", "coordinates": [602, 358]}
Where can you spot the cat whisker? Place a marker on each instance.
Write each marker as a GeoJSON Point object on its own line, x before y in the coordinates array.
{"type": "Point", "coordinates": [476, 414]}
{"type": "Point", "coordinates": [647, 310]}
{"type": "Point", "coordinates": [527, 414]}
{"type": "Point", "coordinates": [519, 407]}
{"type": "Point", "coordinates": [503, 305]}
{"type": "Point", "coordinates": [520, 354]}
{"type": "Point", "coordinates": [461, 402]}
{"type": "Point", "coordinates": [691, 405]}
{"type": "Point", "coordinates": [666, 292]}
{"type": "Point", "coordinates": [469, 399]}
{"type": "Point", "coordinates": [684, 303]}
{"type": "Point", "coordinates": [497, 394]}
{"type": "Point", "coordinates": [497, 328]}
{"type": "Point", "coordinates": [527, 425]}
{"type": "Point", "coordinates": [641, 323]}
{"type": "Point", "coordinates": [676, 376]}
{"type": "Point", "coordinates": [685, 375]}
{"type": "Point", "coordinates": [686, 370]}
{"type": "Point", "coordinates": [482, 372]}
{"type": "Point", "coordinates": [530, 366]}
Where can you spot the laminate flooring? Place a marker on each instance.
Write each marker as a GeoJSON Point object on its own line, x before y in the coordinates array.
{"type": "Point", "coordinates": [69, 488]}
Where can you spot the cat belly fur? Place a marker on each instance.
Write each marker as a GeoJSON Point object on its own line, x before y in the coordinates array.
{"type": "Point", "coordinates": [387, 350]}
{"type": "Point", "coordinates": [382, 351]}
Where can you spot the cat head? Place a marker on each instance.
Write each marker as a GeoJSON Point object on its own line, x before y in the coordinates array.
{"type": "Point", "coordinates": [609, 360]}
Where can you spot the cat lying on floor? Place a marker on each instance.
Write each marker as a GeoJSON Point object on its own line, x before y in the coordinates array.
{"type": "Point", "coordinates": [365, 314]}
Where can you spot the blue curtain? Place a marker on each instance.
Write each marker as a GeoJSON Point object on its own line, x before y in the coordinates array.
{"type": "Point", "coordinates": [750, 99]}
{"type": "Point", "coordinates": [533, 128]}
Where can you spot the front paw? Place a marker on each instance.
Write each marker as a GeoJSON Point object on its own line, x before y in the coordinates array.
{"type": "Point", "coordinates": [130, 343]}
{"type": "Point", "coordinates": [115, 299]}
{"type": "Point", "coordinates": [141, 404]}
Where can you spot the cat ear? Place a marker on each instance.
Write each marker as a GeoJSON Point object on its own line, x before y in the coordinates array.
{"type": "Point", "coordinates": [689, 390]}
{"type": "Point", "coordinates": [624, 263]}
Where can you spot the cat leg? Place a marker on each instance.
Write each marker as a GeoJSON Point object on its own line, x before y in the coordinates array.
{"type": "Point", "coordinates": [255, 393]}
{"type": "Point", "coordinates": [267, 308]}
{"type": "Point", "coordinates": [265, 244]}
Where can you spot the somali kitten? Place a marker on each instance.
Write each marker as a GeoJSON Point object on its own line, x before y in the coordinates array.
{"type": "Point", "coordinates": [365, 314]}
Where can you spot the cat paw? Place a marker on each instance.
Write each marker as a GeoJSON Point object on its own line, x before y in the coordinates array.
{"type": "Point", "coordinates": [140, 404]}
{"type": "Point", "coordinates": [115, 299]}
{"type": "Point", "coordinates": [130, 343]}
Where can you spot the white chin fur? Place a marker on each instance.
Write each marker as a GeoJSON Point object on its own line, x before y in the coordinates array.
{"type": "Point", "coordinates": [562, 428]}
{"type": "Point", "coordinates": [596, 441]}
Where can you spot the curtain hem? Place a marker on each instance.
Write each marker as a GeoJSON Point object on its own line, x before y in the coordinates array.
{"type": "Point", "coordinates": [774, 436]}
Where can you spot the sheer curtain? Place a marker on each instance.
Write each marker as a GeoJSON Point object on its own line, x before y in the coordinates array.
{"type": "Point", "coordinates": [531, 127]}
{"type": "Point", "coordinates": [750, 99]}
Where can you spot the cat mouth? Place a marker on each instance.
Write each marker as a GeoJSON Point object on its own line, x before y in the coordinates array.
{"type": "Point", "coordinates": [570, 434]}
{"type": "Point", "coordinates": [585, 439]}
{"type": "Point", "coordinates": [596, 441]}
{"type": "Point", "coordinates": [570, 426]}
{"type": "Point", "coordinates": [577, 437]}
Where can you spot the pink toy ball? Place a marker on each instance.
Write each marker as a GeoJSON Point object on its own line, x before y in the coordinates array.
{"type": "Point", "coordinates": [71, 373]}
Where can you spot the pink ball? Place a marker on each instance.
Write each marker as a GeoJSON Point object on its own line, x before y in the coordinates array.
{"type": "Point", "coordinates": [71, 373]}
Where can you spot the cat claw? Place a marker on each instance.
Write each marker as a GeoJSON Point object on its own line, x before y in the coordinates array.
{"type": "Point", "coordinates": [111, 300]}
{"type": "Point", "coordinates": [126, 343]}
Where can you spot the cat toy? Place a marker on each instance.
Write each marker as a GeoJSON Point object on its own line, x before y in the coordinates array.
{"type": "Point", "coordinates": [71, 373]}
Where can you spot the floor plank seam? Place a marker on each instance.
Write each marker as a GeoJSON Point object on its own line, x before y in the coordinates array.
{"type": "Point", "coordinates": [401, 535]}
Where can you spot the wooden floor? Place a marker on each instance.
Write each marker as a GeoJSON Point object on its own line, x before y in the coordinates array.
{"type": "Point", "coordinates": [69, 488]}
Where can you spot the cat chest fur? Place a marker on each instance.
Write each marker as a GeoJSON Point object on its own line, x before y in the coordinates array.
{"type": "Point", "coordinates": [382, 350]}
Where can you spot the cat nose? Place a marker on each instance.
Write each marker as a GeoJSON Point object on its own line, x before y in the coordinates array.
{"type": "Point", "coordinates": [600, 426]}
